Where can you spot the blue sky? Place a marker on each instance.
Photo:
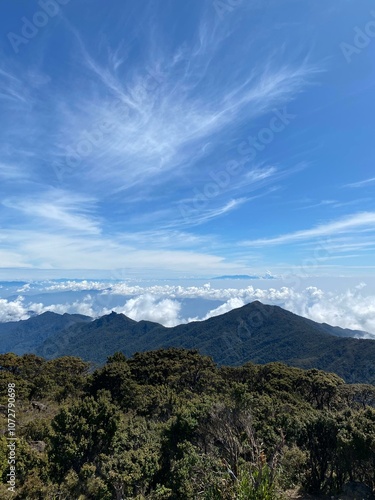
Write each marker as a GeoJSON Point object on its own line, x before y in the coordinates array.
{"type": "Point", "coordinates": [199, 138]}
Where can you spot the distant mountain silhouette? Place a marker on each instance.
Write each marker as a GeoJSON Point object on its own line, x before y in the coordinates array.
{"type": "Point", "coordinates": [346, 332]}
{"type": "Point", "coordinates": [25, 336]}
{"type": "Point", "coordinates": [255, 332]}
{"type": "Point", "coordinates": [267, 276]}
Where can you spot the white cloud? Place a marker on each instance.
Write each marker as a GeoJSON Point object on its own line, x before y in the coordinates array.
{"type": "Point", "coordinates": [12, 310]}
{"type": "Point", "coordinates": [351, 223]}
{"type": "Point", "coordinates": [75, 286]}
{"type": "Point", "coordinates": [12, 89]}
{"type": "Point", "coordinates": [360, 184]}
{"type": "Point", "coordinates": [165, 124]}
{"type": "Point", "coordinates": [84, 307]}
{"type": "Point", "coordinates": [58, 208]}
{"type": "Point", "coordinates": [353, 308]}
{"type": "Point", "coordinates": [24, 288]}
{"type": "Point", "coordinates": [9, 172]}
{"type": "Point", "coordinates": [150, 308]}
{"type": "Point", "coordinates": [59, 248]}
{"type": "Point", "coordinates": [21, 309]}
{"type": "Point", "coordinates": [196, 217]}
{"type": "Point", "coordinates": [160, 117]}
{"type": "Point", "coordinates": [224, 308]}
{"type": "Point", "coordinates": [12, 258]}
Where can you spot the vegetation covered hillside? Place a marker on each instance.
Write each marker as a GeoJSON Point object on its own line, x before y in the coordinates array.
{"type": "Point", "coordinates": [171, 424]}
{"type": "Point", "coordinates": [27, 335]}
{"type": "Point", "coordinates": [256, 332]}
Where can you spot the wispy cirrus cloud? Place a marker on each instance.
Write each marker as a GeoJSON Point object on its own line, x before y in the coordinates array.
{"type": "Point", "coordinates": [363, 183]}
{"type": "Point", "coordinates": [59, 208]}
{"type": "Point", "coordinates": [162, 114]}
{"type": "Point", "coordinates": [60, 248]}
{"type": "Point", "coordinates": [197, 217]}
{"type": "Point", "coordinates": [358, 222]}
{"type": "Point", "coordinates": [13, 89]}
{"type": "Point", "coordinates": [10, 172]}
{"type": "Point", "coordinates": [134, 121]}
{"type": "Point", "coordinates": [343, 244]}
{"type": "Point", "coordinates": [157, 121]}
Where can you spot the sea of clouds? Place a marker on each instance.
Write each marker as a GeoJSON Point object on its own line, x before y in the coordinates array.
{"type": "Point", "coordinates": [172, 304]}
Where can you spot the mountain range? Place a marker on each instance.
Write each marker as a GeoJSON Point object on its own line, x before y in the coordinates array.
{"type": "Point", "coordinates": [255, 332]}
{"type": "Point", "coordinates": [25, 336]}
{"type": "Point", "coordinates": [267, 276]}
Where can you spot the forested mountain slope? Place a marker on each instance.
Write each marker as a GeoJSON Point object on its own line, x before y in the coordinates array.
{"type": "Point", "coordinates": [254, 332]}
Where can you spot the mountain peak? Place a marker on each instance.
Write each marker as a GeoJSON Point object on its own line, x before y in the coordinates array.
{"type": "Point", "coordinates": [257, 303]}
{"type": "Point", "coordinates": [49, 314]}
{"type": "Point", "coordinates": [256, 332]}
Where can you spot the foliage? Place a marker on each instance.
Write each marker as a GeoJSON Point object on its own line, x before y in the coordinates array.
{"type": "Point", "coordinates": [255, 332]}
{"type": "Point", "coordinates": [170, 424]}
